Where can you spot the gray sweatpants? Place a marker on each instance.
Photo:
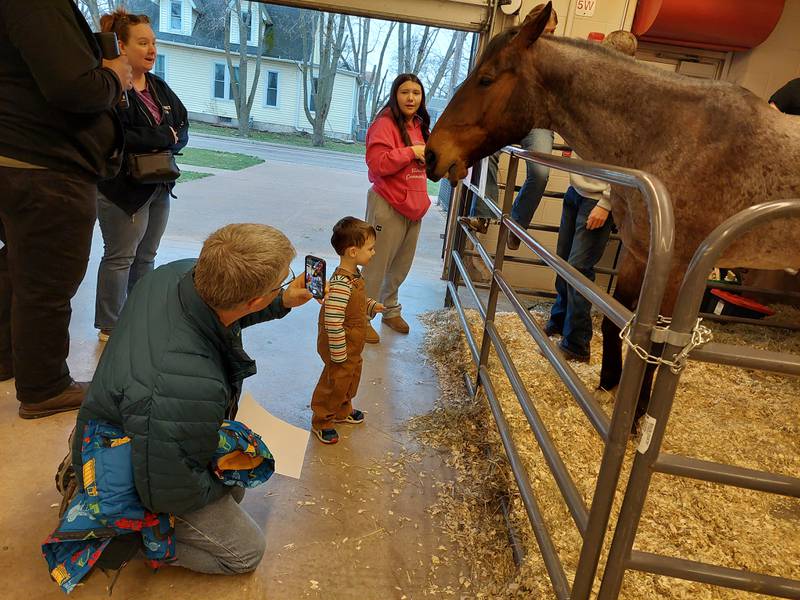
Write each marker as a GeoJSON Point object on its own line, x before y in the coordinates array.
{"type": "Point", "coordinates": [394, 253]}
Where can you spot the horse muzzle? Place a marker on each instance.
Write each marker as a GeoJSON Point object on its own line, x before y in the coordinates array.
{"type": "Point", "coordinates": [435, 168]}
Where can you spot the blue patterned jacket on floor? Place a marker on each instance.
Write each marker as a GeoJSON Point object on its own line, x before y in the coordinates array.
{"type": "Point", "coordinates": [109, 506]}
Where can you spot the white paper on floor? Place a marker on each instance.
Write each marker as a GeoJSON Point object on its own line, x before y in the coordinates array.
{"type": "Point", "coordinates": [286, 442]}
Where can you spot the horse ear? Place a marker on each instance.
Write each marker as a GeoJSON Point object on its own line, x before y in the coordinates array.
{"type": "Point", "coordinates": [535, 23]}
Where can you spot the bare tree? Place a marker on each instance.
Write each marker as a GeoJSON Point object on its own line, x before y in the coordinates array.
{"type": "Point", "coordinates": [327, 41]}
{"type": "Point", "coordinates": [433, 85]}
{"type": "Point", "coordinates": [369, 81]}
{"type": "Point", "coordinates": [455, 73]}
{"type": "Point", "coordinates": [413, 51]}
{"type": "Point", "coordinates": [243, 97]}
{"type": "Point", "coordinates": [93, 9]}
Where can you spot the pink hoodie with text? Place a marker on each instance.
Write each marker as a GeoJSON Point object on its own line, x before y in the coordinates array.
{"type": "Point", "coordinates": [393, 171]}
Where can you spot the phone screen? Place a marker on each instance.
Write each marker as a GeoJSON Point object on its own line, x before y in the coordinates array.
{"type": "Point", "coordinates": [315, 276]}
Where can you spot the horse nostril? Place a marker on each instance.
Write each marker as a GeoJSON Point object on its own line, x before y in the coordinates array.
{"type": "Point", "coordinates": [430, 158]}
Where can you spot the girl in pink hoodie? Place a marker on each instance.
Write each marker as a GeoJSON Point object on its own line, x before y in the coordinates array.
{"type": "Point", "coordinates": [398, 198]}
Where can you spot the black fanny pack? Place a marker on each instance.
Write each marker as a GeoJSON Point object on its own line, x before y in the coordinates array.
{"type": "Point", "coordinates": [153, 167]}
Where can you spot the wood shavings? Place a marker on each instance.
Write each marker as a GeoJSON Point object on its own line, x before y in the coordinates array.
{"type": "Point", "coordinates": [735, 416]}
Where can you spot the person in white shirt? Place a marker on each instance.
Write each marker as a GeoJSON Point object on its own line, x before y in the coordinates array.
{"type": "Point", "coordinates": [586, 225]}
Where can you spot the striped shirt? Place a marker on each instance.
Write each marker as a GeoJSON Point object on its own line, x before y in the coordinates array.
{"type": "Point", "coordinates": [335, 306]}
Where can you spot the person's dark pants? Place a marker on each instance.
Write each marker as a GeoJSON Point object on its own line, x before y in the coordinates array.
{"type": "Point", "coordinates": [582, 248]}
{"type": "Point", "coordinates": [46, 222]}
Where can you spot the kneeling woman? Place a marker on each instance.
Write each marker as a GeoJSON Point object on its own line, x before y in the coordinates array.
{"type": "Point", "coordinates": [132, 214]}
{"type": "Point", "coordinates": [398, 198]}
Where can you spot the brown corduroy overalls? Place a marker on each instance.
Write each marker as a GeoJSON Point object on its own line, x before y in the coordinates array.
{"type": "Point", "coordinates": [339, 381]}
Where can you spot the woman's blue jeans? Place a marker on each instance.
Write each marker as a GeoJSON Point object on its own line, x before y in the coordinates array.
{"type": "Point", "coordinates": [131, 243]}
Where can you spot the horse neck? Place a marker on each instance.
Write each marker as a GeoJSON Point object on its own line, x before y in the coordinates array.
{"type": "Point", "coordinates": [603, 105]}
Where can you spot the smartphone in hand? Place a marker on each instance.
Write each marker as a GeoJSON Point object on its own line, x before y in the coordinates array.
{"type": "Point", "coordinates": [315, 276]}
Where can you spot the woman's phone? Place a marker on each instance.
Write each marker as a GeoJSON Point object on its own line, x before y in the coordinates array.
{"type": "Point", "coordinates": [315, 276]}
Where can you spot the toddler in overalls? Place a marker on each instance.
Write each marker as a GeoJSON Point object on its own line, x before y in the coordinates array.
{"type": "Point", "coordinates": [342, 326]}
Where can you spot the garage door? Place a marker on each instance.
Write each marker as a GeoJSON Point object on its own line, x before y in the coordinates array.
{"type": "Point", "coordinates": [468, 15]}
{"type": "Point", "coordinates": [694, 62]}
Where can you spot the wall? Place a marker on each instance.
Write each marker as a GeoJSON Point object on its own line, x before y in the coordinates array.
{"type": "Point", "coordinates": [609, 15]}
{"type": "Point", "coordinates": [767, 67]}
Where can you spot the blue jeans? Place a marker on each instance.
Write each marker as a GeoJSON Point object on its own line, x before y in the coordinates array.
{"type": "Point", "coordinates": [131, 243]}
{"type": "Point", "coordinates": [582, 248]}
{"type": "Point", "coordinates": [530, 194]}
{"type": "Point", "coordinates": [220, 538]}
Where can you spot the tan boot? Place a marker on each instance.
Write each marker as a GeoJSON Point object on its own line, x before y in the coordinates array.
{"type": "Point", "coordinates": [397, 323]}
{"type": "Point", "coordinates": [371, 336]}
{"type": "Point", "coordinates": [70, 399]}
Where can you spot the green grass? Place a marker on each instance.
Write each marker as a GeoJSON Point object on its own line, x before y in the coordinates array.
{"type": "Point", "coordinates": [191, 175]}
{"type": "Point", "coordinates": [230, 161]}
{"type": "Point", "coordinates": [287, 139]}
{"type": "Point", "coordinates": [433, 188]}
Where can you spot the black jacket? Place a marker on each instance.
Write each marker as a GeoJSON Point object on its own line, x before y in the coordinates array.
{"type": "Point", "coordinates": [56, 100]}
{"type": "Point", "coordinates": [143, 135]}
{"type": "Point", "coordinates": [787, 99]}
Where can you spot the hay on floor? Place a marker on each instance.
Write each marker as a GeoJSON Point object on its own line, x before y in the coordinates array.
{"type": "Point", "coordinates": [746, 418]}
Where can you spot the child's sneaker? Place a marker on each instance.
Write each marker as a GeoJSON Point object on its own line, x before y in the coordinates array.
{"type": "Point", "coordinates": [326, 436]}
{"type": "Point", "coordinates": [354, 418]}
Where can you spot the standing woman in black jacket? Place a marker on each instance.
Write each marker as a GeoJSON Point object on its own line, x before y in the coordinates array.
{"type": "Point", "coordinates": [133, 215]}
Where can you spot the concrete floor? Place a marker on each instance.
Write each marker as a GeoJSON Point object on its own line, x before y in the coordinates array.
{"type": "Point", "coordinates": [355, 525]}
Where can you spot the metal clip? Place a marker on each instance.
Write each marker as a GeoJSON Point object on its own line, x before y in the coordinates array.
{"type": "Point", "coordinates": [699, 336]}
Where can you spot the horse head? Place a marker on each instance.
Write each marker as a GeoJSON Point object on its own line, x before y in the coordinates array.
{"type": "Point", "coordinates": [493, 107]}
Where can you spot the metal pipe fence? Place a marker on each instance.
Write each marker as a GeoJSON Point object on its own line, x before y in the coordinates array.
{"type": "Point", "coordinates": [591, 521]}
{"type": "Point", "coordinates": [644, 328]}
{"type": "Point", "coordinates": [650, 458]}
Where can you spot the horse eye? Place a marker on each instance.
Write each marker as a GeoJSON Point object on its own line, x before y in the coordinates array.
{"type": "Point", "coordinates": [485, 81]}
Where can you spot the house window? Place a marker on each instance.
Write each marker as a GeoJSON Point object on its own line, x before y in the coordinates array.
{"type": "Point", "coordinates": [220, 77]}
{"type": "Point", "coordinates": [272, 88]}
{"type": "Point", "coordinates": [247, 18]}
{"type": "Point", "coordinates": [235, 79]}
{"type": "Point", "coordinates": [312, 101]}
{"type": "Point", "coordinates": [160, 69]}
{"type": "Point", "coordinates": [176, 15]}
{"type": "Point", "coordinates": [223, 84]}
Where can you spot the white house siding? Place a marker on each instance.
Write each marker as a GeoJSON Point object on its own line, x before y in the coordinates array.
{"type": "Point", "coordinates": [190, 73]}
{"type": "Point", "coordinates": [186, 19]}
{"type": "Point", "coordinates": [340, 116]}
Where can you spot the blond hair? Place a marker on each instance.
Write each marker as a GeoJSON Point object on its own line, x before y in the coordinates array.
{"type": "Point", "coordinates": [621, 41]}
{"type": "Point", "coordinates": [240, 262]}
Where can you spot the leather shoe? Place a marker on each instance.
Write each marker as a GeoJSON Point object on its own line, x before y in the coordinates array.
{"type": "Point", "coordinates": [70, 399]}
{"type": "Point", "coordinates": [573, 356]}
{"type": "Point", "coordinates": [396, 323]}
{"type": "Point", "coordinates": [371, 336]}
{"type": "Point", "coordinates": [513, 241]}
{"type": "Point", "coordinates": [551, 329]}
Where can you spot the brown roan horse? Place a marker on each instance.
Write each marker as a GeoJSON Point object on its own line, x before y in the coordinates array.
{"type": "Point", "coordinates": [717, 148]}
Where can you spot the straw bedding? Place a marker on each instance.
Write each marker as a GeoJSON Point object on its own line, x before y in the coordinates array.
{"type": "Point", "coordinates": [750, 419]}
